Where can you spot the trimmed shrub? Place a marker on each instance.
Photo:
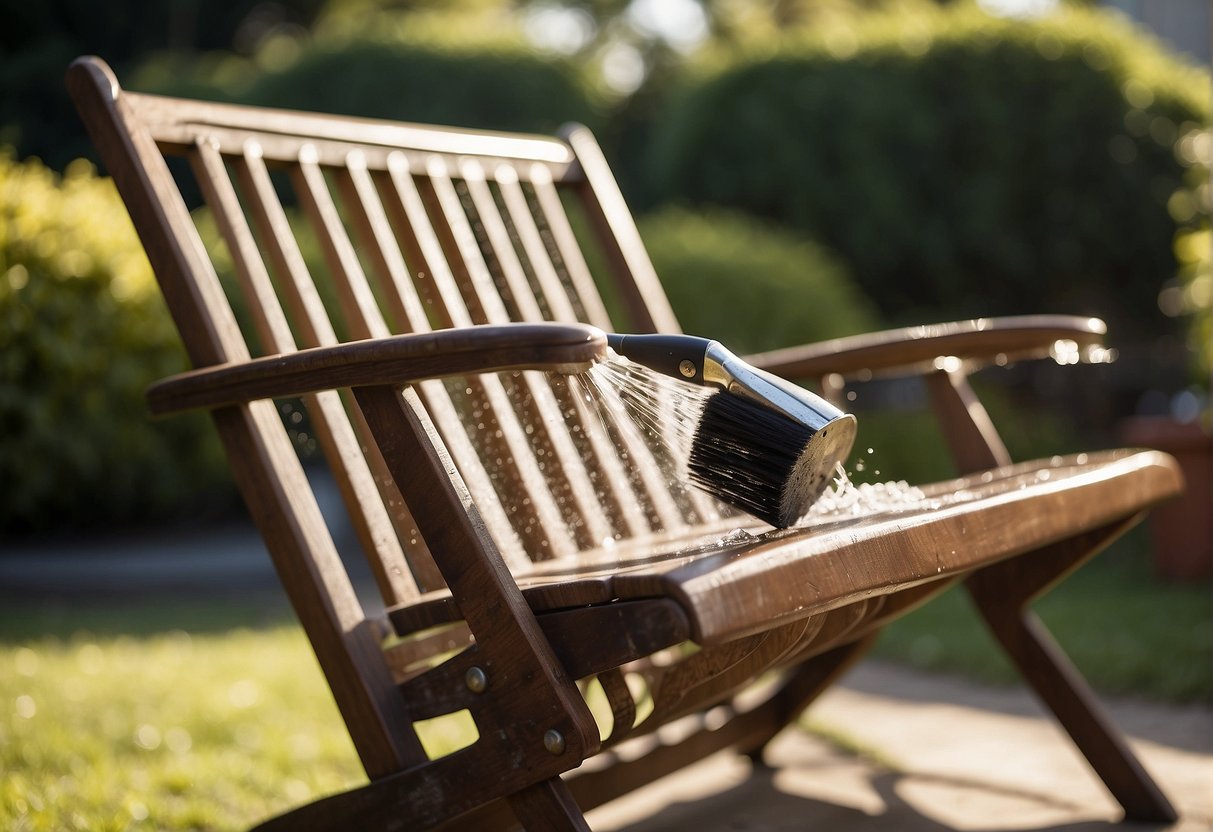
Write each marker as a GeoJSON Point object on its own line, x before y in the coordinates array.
{"type": "Point", "coordinates": [462, 86]}
{"type": "Point", "coordinates": [83, 331]}
{"type": "Point", "coordinates": [749, 286]}
{"type": "Point", "coordinates": [957, 163]}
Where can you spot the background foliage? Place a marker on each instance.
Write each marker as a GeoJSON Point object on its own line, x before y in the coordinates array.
{"type": "Point", "coordinates": [82, 332]}
{"type": "Point", "coordinates": [726, 273]}
{"type": "Point", "coordinates": [506, 90]}
{"type": "Point", "coordinates": [959, 165]}
{"type": "Point", "coordinates": [925, 162]}
{"type": "Point", "coordinates": [39, 40]}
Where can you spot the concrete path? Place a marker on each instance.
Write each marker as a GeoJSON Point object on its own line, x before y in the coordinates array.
{"type": "Point", "coordinates": [941, 755]}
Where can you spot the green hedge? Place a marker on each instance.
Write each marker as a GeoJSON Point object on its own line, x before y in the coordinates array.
{"type": "Point", "coordinates": [958, 164]}
{"type": "Point", "coordinates": [463, 87]}
{"type": "Point", "coordinates": [750, 286]}
{"type": "Point", "coordinates": [82, 332]}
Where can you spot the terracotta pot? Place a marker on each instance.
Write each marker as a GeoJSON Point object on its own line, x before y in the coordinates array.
{"type": "Point", "coordinates": [1181, 530]}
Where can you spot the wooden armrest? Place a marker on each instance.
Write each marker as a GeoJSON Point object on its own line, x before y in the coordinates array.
{"type": "Point", "coordinates": [917, 349]}
{"type": "Point", "coordinates": [398, 360]}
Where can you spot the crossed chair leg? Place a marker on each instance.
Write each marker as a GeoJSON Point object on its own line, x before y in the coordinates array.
{"type": "Point", "coordinates": [1002, 593]}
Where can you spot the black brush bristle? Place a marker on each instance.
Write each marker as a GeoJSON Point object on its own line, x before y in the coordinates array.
{"type": "Point", "coordinates": [746, 455]}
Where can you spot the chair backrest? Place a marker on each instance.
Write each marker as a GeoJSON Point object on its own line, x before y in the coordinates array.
{"type": "Point", "coordinates": [417, 228]}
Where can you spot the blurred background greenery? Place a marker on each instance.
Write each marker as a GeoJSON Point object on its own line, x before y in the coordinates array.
{"type": "Point", "coordinates": [864, 162]}
{"type": "Point", "coordinates": [802, 169]}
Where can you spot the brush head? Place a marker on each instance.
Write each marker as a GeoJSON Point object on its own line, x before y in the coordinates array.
{"type": "Point", "coordinates": [762, 461]}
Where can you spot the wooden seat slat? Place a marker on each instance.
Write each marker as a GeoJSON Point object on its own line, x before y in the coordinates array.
{"type": "Point", "coordinates": [733, 585]}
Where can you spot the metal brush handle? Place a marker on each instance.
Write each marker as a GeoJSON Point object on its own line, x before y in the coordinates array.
{"type": "Point", "coordinates": [708, 362]}
{"type": "Point", "coordinates": [678, 356]}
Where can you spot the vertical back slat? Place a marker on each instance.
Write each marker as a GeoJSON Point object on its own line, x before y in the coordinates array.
{"type": "Point", "coordinates": [516, 288]}
{"type": "Point", "coordinates": [441, 301]}
{"type": "Point", "coordinates": [422, 248]}
{"type": "Point", "coordinates": [626, 510]}
{"type": "Point", "coordinates": [364, 317]}
{"type": "Point", "coordinates": [632, 517]}
{"type": "Point", "coordinates": [547, 412]}
{"type": "Point", "coordinates": [467, 288]}
{"type": "Point", "coordinates": [307, 309]}
{"type": "Point", "coordinates": [568, 248]}
{"type": "Point", "coordinates": [379, 530]}
{"type": "Point", "coordinates": [359, 308]}
{"type": "Point", "coordinates": [268, 318]}
{"type": "Point", "coordinates": [417, 235]}
{"type": "Point", "coordinates": [379, 243]}
{"type": "Point", "coordinates": [554, 291]}
{"type": "Point", "coordinates": [648, 306]}
{"type": "Point", "coordinates": [655, 488]}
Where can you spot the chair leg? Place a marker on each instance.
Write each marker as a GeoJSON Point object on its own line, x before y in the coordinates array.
{"type": "Point", "coordinates": [1001, 593]}
{"type": "Point", "coordinates": [548, 806]}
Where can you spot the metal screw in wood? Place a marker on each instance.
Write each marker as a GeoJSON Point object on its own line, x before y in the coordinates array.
{"type": "Point", "coordinates": [553, 741]}
{"type": "Point", "coordinates": [476, 680]}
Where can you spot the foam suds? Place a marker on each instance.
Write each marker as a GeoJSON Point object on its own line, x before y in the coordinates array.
{"type": "Point", "coordinates": [845, 499]}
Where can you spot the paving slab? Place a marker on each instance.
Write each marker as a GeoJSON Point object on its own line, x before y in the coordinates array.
{"type": "Point", "coordinates": [944, 755]}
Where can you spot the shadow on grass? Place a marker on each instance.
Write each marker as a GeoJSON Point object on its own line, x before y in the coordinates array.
{"type": "Point", "coordinates": [28, 619]}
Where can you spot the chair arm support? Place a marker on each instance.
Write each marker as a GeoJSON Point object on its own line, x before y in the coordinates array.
{"type": "Point", "coordinates": [398, 360]}
{"type": "Point", "coordinates": [917, 349]}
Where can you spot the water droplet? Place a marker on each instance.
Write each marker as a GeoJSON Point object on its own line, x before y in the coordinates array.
{"type": "Point", "coordinates": [244, 693]}
{"type": "Point", "coordinates": [25, 706]}
{"type": "Point", "coordinates": [147, 737]}
{"type": "Point", "coordinates": [91, 659]}
{"type": "Point", "coordinates": [178, 740]}
{"type": "Point", "coordinates": [26, 661]}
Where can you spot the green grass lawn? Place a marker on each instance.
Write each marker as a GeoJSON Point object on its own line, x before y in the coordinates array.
{"type": "Point", "coordinates": [170, 731]}
{"type": "Point", "coordinates": [1128, 632]}
{"type": "Point", "coordinates": [212, 715]}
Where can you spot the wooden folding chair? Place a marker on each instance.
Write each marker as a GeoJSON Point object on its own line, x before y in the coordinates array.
{"type": "Point", "coordinates": [530, 552]}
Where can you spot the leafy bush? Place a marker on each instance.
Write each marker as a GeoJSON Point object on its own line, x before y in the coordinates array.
{"type": "Point", "coordinates": [959, 163]}
{"type": "Point", "coordinates": [463, 86]}
{"type": "Point", "coordinates": [82, 332]}
{"type": "Point", "coordinates": [749, 286]}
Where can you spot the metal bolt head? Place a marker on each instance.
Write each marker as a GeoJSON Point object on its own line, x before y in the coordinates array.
{"type": "Point", "coordinates": [553, 741]}
{"type": "Point", "coordinates": [476, 680]}
{"type": "Point", "coordinates": [687, 368]}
